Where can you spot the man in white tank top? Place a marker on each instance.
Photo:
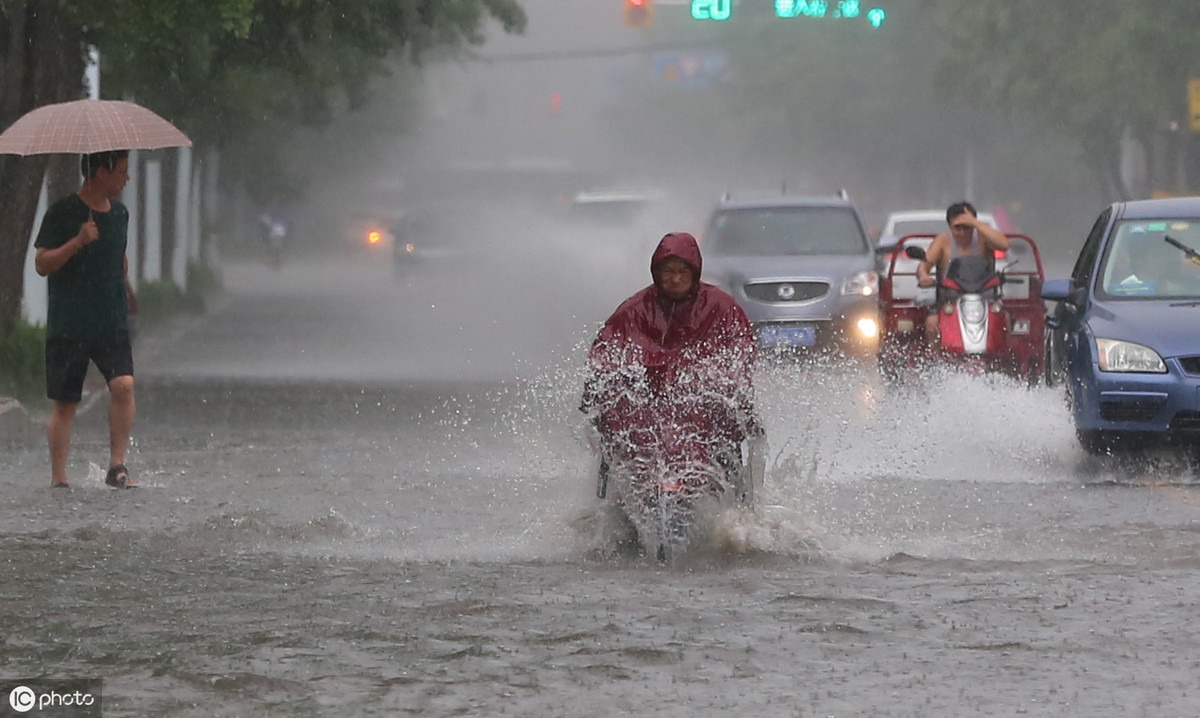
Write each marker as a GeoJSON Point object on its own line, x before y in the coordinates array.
{"type": "Point", "coordinates": [968, 235]}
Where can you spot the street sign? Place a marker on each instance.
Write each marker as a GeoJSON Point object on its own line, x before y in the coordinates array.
{"type": "Point", "coordinates": [1194, 102]}
{"type": "Point", "coordinates": [721, 10]}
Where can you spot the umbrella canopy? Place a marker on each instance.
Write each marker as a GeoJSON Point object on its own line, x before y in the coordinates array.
{"type": "Point", "coordinates": [87, 126]}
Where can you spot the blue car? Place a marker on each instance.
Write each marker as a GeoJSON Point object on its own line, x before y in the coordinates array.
{"type": "Point", "coordinates": [1124, 336]}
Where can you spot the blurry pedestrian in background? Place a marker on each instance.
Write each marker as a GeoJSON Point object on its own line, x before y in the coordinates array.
{"type": "Point", "coordinates": [273, 231]}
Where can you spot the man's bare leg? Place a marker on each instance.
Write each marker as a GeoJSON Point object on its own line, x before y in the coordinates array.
{"type": "Point", "coordinates": [931, 332]}
{"type": "Point", "coordinates": [58, 435]}
{"type": "Point", "coordinates": [121, 410]}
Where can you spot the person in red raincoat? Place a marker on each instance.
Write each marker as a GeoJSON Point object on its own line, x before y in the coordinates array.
{"type": "Point", "coordinates": [671, 370]}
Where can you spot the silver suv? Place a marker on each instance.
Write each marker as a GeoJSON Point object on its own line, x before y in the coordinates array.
{"type": "Point", "coordinates": [801, 267]}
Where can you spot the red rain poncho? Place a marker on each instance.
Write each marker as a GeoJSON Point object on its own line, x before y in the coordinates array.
{"type": "Point", "coordinates": [684, 363]}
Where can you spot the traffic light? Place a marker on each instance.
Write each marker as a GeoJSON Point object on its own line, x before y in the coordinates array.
{"type": "Point", "coordinates": [639, 13]}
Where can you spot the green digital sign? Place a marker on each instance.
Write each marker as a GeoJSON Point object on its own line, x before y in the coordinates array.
{"type": "Point", "coordinates": [720, 10]}
{"type": "Point", "coordinates": [712, 9]}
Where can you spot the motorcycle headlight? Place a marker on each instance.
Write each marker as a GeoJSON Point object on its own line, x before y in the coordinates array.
{"type": "Point", "coordinates": [973, 310]}
{"type": "Point", "coordinates": [1117, 355]}
{"type": "Point", "coordinates": [865, 283]}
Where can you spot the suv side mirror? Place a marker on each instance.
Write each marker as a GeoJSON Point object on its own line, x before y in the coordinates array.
{"type": "Point", "coordinates": [913, 252]}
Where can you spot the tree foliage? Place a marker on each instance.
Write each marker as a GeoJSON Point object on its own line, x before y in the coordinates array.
{"type": "Point", "coordinates": [829, 103]}
{"type": "Point", "coordinates": [238, 74]}
{"type": "Point", "coordinates": [1089, 71]}
{"type": "Point", "coordinates": [221, 66]}
{"type": "Point", "coordinates": [846, 96]}
{"type": "Point", "coordinates": [1026, 103]}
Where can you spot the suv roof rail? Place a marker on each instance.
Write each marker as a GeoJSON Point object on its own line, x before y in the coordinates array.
{"type": "Point", "coordinates": [843, 194]}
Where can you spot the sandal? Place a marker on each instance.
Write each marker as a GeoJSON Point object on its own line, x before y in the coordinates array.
{"type": "Point", "coordinates": [118, 478]}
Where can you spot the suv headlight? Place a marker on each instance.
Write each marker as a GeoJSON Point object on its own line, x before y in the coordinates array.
{"type": "Point", "coordinates": [1117, 355]}
{"type": "Point", "coordinates": [865, 283]}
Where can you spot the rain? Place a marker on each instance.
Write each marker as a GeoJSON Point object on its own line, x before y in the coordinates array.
{"type": "Point", "coordinates": [365, 483]}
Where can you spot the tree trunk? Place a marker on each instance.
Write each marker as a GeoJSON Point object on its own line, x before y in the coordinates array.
{"type": "Point", "coordinates": [20, 182]}
{"type": "Point", "coordinates": [41, 61]}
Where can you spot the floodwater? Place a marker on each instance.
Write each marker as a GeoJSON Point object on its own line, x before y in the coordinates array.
{"type": "Point", "coordinates": [370, 495]}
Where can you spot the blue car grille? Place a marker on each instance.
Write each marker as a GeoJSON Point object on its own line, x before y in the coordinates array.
{"type": "Point", "coordinates": [1129, 410]}
{"type": "Point", "coordinates": [1186, 421]}
{"type": "Point", "coordinates": [1191, 365]}
{"type": "Point", "coordinates": [786, 291]}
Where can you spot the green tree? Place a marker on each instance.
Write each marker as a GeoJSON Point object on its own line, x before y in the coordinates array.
{"type": "Point", "coordinates": [41, 61]}
{"type": "Point", "coordinates": [228, 72]}
{"type": "Point", "coordinates": [825, 103]}
{"type": "Point", "coordinates": [1088, 71]}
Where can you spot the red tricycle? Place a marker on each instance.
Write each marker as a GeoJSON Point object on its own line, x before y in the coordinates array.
{"type": "Point", "coordinates": [990, 313]}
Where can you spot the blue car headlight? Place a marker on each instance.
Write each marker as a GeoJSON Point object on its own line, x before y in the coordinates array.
{"type": "Point", "coordinates": [1117, 355]}
{"type": "Point", "coordinates": [865, 283]}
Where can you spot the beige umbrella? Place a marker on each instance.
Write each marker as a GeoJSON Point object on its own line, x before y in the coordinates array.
{"type": "Point", "coordinates": [88, 126]}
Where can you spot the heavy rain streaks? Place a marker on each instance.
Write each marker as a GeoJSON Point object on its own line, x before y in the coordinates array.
{"type": "Point", "coordinates": [368, 488]}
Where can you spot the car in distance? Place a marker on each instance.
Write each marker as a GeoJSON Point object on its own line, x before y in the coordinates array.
{"type": "Point", "coordinates": [802, 268]}
{"type": "Point", "coordinates": [1124, 337]}
{"type": "Point", "coordinates": [408, 238]}
{"type": "Point", "coordinates": [611, 206]}
{"type": "Point", "coordinates": [914, 221]}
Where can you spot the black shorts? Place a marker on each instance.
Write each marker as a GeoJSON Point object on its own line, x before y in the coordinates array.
{"type": "Point", "coordinates": [67, 364]}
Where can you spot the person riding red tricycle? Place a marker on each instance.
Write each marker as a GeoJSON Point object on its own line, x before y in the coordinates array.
{"type": "Point", "coordinates": [985, 312]}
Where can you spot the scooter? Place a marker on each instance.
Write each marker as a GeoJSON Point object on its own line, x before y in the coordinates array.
{"type": "Point", "coordinates": [971, 323]}
{"type": "Point", "coordinates": [666, 476]}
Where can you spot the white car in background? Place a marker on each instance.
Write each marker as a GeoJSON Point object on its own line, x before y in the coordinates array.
{"type": "Point", "coordinates": [612, 206]}
{"type": "Point", "coordinates": [914, 221]}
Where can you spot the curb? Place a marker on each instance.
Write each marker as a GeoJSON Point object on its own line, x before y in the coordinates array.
{"type": "Point", "coordinates": [15, 427]}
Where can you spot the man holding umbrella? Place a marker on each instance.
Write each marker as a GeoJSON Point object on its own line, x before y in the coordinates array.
{"type": "Point", "coordinates": [81, 252]}
{"type": "Point", "coordinates": [81, 249]}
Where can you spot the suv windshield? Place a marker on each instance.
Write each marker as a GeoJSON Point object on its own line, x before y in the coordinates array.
{"type": "Point", "coordinates": [782, 231]}
{"type": "Point", "coordinates": [1141, 263]}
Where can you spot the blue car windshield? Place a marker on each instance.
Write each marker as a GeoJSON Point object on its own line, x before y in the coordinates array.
{"type": "Point", "coordinates": [1139, 262]}
{"type": "Point", "coordinates": [786, 231]}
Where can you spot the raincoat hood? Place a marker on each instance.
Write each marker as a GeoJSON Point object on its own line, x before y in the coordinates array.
{"type": "Point", "coordinates": [706, 318]}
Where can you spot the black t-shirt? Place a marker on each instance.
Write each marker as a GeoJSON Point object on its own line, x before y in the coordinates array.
{"type": "Point", "coordinates": [87, 300]}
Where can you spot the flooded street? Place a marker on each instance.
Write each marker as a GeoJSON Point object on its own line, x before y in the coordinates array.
{"type": "Point", "coordinates": [371, 495]}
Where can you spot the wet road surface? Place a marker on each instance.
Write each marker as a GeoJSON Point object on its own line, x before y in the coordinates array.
{"type": "Point", "coordinates": [355, 505]}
